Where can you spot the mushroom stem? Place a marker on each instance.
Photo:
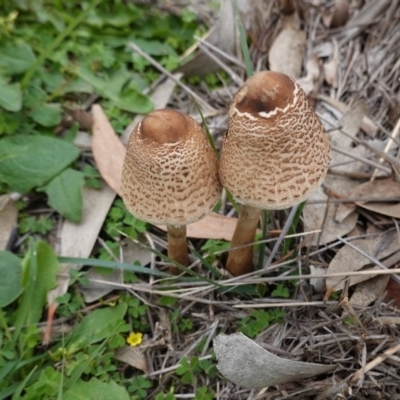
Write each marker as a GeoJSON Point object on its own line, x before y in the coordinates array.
{"type": "Point", "coordinates": [240, 261]}
{"type": "Point", "coordinates": [177, 246]}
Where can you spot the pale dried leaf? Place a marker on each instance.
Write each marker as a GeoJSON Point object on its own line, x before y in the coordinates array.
{"type": "Point", "coordinates": [317, 217]}
{"type": "Point", "coordinates": [368, 291]}
{"type": "Point", "coordinates": [338, 16]}
{"type": "Point", "coordinates": [134, 356]}
{"type": "Point", "coordinates": [77, 240]}
{"type": "Point", "coordinates": [245, 363]}
{"type": "Point", "coordinates": [349, 259]}
{"type": "Point", "coordinates": [108, 150]}
{"type": "Point", "coordinates": [378, 189]}
{"type": "Point", "coordinates": [368, 126]}
{"type": "Point", "coordinates": [83, 141]}
{"type": "Point", "coordinates": [132, 252]}
{"type": "Point", "coordinates": [287, 51]}
{"type": "Point", "coordinates": [8, 219]}
{"type": "Point", "coordinates": [318, 283]}
{"type": "Point", "coordinates": [100, 283]}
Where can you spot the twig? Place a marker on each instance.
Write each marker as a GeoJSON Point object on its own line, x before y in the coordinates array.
{"type": "Point", "coordinates": [372, 364]}
{"type": "Point", "coordinates": [157, 65]}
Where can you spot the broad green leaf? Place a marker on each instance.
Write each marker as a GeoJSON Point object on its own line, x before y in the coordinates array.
{"type": "Point", "coordinates": [133, 101]}
{"type": "Point", "coordinates": [47, 115]}
{"type": "Point", "coordinates": [27, 162]}
{"type": "Point", "coordinates": [96, 326]}
{"type": "Point", "coordinates": [10, 282]}
{"type": "Point", "coordinates": [65, 194]}
{"type": "Point", "coordinates": [96, 390]}
{"type": "Point", "coordinates": [47, 267]}
{"type": "Point", "coordinates": [10, 95]}
{"type": "Point", "coordinates": [16, 58]}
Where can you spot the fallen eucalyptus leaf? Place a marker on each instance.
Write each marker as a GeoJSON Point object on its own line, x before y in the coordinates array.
{"type": "Point", "coordinates": [245, 363]}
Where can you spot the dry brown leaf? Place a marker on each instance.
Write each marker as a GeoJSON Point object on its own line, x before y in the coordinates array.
{"type": "Point", "coordinates": [316, 217]}
{"type": "Point", "coordinates": [108, 150]}
{"type": "Point", "coordinates": [338, 16]}
{"type": "Point", "coordinates": [134, 356]}
{"type": "Point", "coordinates": [368, 126]}
{"type": "Point", "coordinates": [378, 189]}
{"type": "Point", "coordinates": [83, 118]}
{"type": "Point", "coordinates": [287, 51]}
{"type": "Point", "coordinates": [100, 284]}
{"type": "Point", "coordinates": [368, 291]}
{"type": "Point", "coordinates": [8, 219]}
{"type": "Point", "coordinates": [349, 259]}
{"type": "Point", "coordinates": [77, 240]}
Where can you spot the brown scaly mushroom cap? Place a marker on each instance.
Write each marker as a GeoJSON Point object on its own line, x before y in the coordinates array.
{"type": "Point", "coordinates": [276, 150]}
{"type": "Point", "coordinates": [170, 170]}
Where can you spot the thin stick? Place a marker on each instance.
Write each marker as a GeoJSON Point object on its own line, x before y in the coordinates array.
{"type": "Point", "coordinates": [157, 65]}
{"type": "Point", "coordinates": [387, 147]}
{"type": "Point", "coordinates": [376, 361]}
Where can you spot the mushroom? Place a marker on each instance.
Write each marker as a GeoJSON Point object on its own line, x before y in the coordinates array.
{"type": "Point", "coordinates": [170, 176]}
{"type": "Point", "coordinates": [275, 153]}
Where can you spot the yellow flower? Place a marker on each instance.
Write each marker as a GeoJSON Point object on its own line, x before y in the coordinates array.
{"type": "Point", "coordinates": [134, 338]}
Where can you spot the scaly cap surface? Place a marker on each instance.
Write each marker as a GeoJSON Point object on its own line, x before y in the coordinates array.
{"type": "Point", "coordinates": [170, 170]}
{"type": "Point", "coordinates": [276, 150]}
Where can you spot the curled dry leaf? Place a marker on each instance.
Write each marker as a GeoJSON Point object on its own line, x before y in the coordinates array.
{"type": "Point", "coordinates": [287, 51]}
{"type": "Point", "coordinates": [376, 190]}
{"type": "Point", "coordinates": [322, 216]}
{"type": "Point", "coordinates": [8, 219]}
{"type": "Point", "coordinates": [108, 150]}
{"type": "Point", "coordinates": [367, 125]}
{"type": "Point", "coordinates": [246, 364]}
{"type": "Point", "coordinates": [338, 15]}
{"type": "Point", "coordinates": [349, 259]}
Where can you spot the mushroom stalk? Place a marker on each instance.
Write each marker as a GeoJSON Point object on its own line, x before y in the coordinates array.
{"type": "Point", "coordinates": [240, 261]}
{"type": "Point", "coordinates": [177, 246]}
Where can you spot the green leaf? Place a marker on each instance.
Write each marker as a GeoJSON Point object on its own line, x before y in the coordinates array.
{"type": "Point", "coordinates": [129, 100]}
{"type": "Point", "coordinates": [47, 115]}
{"type": "Point", "coordinates": [27, 162]}
{"type": "Point", "coordinates": [98, 325]}
{"type": "Point", "coordinates": [10, 95]}
{"type": "Point", "coordinates": [16, 57]}
{"type": "Point", "coordinates": [96, 390]}
{"type": "Point", "coordinates": [44, 280]}
{"type": "Point", "coordinates": [10, 282]}
{"type": "Point", "coordinates": [65, 194]}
